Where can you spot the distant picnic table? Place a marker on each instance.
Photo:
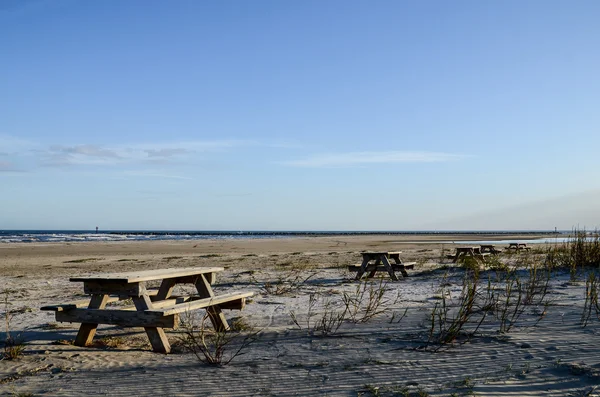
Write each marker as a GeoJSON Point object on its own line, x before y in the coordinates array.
{"type": "Point", "coordinates": [489, 248]}
{"type": "Point", "coordinates": [153, 309]}
{"type": "Point", "coordinates": [468, 252]}
{"type": "Point", "coordinates": [518, 246]}
{"type": "Point", "coordinates": [380, 261]}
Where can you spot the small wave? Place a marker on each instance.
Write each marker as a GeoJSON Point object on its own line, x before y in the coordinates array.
{"type": "Point", "coordinates": [51, 236]}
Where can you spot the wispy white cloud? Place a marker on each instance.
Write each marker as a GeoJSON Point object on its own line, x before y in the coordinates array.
{"type": "Point", "coordinates": [85, 154]}
{"type": "Point", "coordinates": [106, 155]}
{"type": "Point", "coordinates": [353, 159]}
{"type": "Point", "coordinates": [78, 154]}
{"type": "Point", "coordinates": [164, 153]}
{"type": "Point", "coordinates": [156, 174]}
{"type": "Point", "coordinates": [180, 147]}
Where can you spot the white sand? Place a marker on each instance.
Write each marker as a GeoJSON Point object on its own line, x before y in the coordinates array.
{"type": "Point", "coordinates": [557, 357]}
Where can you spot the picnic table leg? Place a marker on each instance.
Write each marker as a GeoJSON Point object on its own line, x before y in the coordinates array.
{"type": "Point", "coordinates": [372, 273]}
{"type": "Point", "coordinates": [156, 335]}
{"type": "Point", "coordinates": [389, 268]}
{"type": "Point", "coordinates": [87, 331]}
{"type": "Point", "coordinates": [398, 261]}
{"type": "Point", "coordinates": [214, 312]}
{"type": "Point", "coordinates": [165, 290]}
{"type": "Point", "coordinates": [363, 268]}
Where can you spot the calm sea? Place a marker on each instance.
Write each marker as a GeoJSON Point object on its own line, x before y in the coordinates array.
{"type": "Point", "coordinates": [29, 236]}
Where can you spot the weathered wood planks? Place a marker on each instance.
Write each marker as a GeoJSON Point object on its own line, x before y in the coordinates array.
{"type": "Point", "coordinates": [233, 300]}
{"type": "Point", "coordinates": [147, 275]}
{"type": "Point", "coordinates": [124, 318]}
{"type": "Point", "coordinates": [152, 309]}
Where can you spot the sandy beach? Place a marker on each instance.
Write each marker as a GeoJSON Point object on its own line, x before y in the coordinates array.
{"type": "Point", "coordinates": [546, 352]}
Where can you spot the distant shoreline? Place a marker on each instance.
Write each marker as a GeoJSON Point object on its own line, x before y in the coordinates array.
{"type": "Point", "coordinates": [57, 236]}
{"type": "Point", "coordinates": [279, 232]}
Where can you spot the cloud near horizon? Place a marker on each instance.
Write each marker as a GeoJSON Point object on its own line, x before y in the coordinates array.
{"type": "Point", "coordinates": [156, 174]}
{"type": "Point", "coordinates": [60, 155]}
{"type": "Point", "coordinates": [353, 159]}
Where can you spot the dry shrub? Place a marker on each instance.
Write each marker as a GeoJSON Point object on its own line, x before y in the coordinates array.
{"type": "Point", "coordinates": [591, 303]}
{"type": "Point", "coordinates": [13, 346]}
{"type": "Point", "coordinates": [506, 298]}
{"type": "Point", "coordinates": [364, 303]}
{"type": "Point", "coordinates": [210, 346]}
{"type": "Point", "coordinates": [288, 282]}
{"type": "Point", "coordinates": [580, 252]}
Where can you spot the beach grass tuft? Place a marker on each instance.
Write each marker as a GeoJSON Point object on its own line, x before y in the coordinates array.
{"type": "Point", "coordinates": [13, 346]}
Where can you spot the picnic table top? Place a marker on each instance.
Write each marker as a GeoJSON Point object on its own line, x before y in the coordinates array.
{"type": "Point", "coordinates": [381, 252]}
{"type": "Point", "coordinates": [147, 275]}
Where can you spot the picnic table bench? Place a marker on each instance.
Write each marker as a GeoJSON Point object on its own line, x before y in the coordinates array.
{"type": "Point", "coordinates": [153, 309]}
{"type": "Point", "coordinates": [465, 252]}
{"type": "Point", "coordinates": [379, 261]}
{"type": "Point", "coordinates": [518, 246]}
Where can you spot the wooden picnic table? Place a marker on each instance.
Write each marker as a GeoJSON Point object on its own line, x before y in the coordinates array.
{"type": "Point", "coordinates": [464, 252]}
{"type": "Point", "coordinates": [489, 248]}
{"type": "Point", "coordinates": [153, 309]}
{"type": "Point", "coordinates": [518, 246]}
{"type": "Point", "coordinates": [377, 261]}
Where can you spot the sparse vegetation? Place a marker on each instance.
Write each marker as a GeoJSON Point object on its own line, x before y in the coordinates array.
{"type": "Point", "coordinates": [581, 251]}
{"type": "Point", "coordinates": [82, 260]}
{"type": "Point", "coordinates": [287, 282]}
{"type": "Point", "coordinates": [591, 303]}
{"type": "Point", "coordinates": [328, 322]}
{"type": "Point", "coordinates": [364, 303]}
{"type": "Point", "coordinates": [171, 258]}
{"type": "Point", "coordinates": [506, 297]}
{"type": "Point", "coordinates": [13, 346]}
{"type": "Point", "coordinates": [210, 346]}
{"type": "Point", "coordinates": [111, 342]}
{"type": "Point", "coordinates": [448, 320]}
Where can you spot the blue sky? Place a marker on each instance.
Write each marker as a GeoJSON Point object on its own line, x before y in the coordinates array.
{"type": "Point", "coordinates": [299, 115]}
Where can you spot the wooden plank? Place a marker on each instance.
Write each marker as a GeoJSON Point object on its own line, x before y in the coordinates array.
{"type": "Point", "coordinates": [87, 330]}
{"type": "Point", "coordinates": [396, 257]}
{"type": "Point", "coordinates": [85, 302]}
{"type": "Point", "coordinates": [203, 287]}
{"type": "Point", "coordinates": [118, 288]}
{"type": "Point", "coordinates": [381, 252]}
{"type": "Point", "coordinates": [219, 300]}
{"type": "Point", "coordinates": [147, 275]}
{"type": "Point", "coordinates": [173, 300]}
{"type": "Point", "coordinates": [214, 312]}
{"type": "Point", "coordinates": [363, 268]}
{"type": "Point", "coordinates": [166, 289]}
{"type": "Point", "coordinates": [75, 304]}
{"type": "Point", "coordinates": [156, 335]}
{"type": "Point", "coordinates": [372, 266]}
{"type": "Point", "coordinates": [124, 318]}
{"type": "Point", "coordinates": [389, 269]}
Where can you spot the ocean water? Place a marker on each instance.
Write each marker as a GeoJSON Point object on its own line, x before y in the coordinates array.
{"type": "Point", "coordinates": [548, 240]}
{"type": "Point", "coordinates": [30, 236]}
